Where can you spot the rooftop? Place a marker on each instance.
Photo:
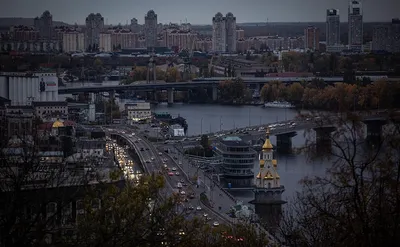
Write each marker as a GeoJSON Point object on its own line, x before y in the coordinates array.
{"type": "Point", "coordinates": [49, 103]}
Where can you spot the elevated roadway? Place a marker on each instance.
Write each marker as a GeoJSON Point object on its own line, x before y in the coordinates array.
{"type": "Point", "coordinates": [207, 82]}
{"type": "Point", "coordinates": [153, 162]}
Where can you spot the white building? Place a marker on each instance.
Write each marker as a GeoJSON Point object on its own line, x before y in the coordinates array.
{"type": "Point", "coordinates": [73, 42]}
{"type": "Point", "coordinates": [47, 110]}
{"type": "Point", "coordinates": [24, 88]}
{"type": "Point", "coordinates": [138, 111]}
{"type": "Point", "coordinates": [176, 130]}
{"type": "Point", "coordinates": [105, 42]}
{"type": "Point", "coordinates": [219, 33]}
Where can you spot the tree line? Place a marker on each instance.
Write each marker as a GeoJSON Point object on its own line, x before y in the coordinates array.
{"type": "Point", "coordinates": [317, 94]}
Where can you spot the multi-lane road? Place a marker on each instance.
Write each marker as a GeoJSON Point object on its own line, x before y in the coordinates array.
{"type": "Point", "coordinates": [156, 161]}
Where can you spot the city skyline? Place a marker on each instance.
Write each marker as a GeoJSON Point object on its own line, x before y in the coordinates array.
{"type": "Point", "coordinates": [177, 11]}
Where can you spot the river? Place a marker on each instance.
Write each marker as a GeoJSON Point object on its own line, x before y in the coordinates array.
{"type": "Point", "coordinates": [206, 118]}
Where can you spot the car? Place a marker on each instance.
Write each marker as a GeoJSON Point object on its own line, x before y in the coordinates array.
{"type": "Point", "coordinates": [165, 166]}
{"type": "Point", "coordinates": [179, 163]}
{"type": "Point", "coordinates": [147, 161]}
{"type": "Point", "coordinates": [215, 223]}
{"type": "Point", "coordinates": [174, 168]}
{"type": "Point", "coordinates": [159, 153]}
{"type": "Point", "coordinates": [141, 149]}
{"type": "Point", "coordinates": [175, 158]}
{"type": "Point", "coordinates": [192, 196]}
{"type": "Point", "coordinates": [136, 141]}
{"type": "Point", "coordinates": [198, 208]}
{"type": "Point", "coordinates": [170, 173]}
{"type": "Point", "coordinates": [147, 148]}
{"type": "Point", "coordinates": [177, 173]}
{"type": "Point", "coordinates": [152, 158]}
{"type": "Point", "coordinates": [182, 181]}
{"type": "Point", "coordinates": [205, 215]}
{"type": "Point", "coordinates": [191, 207]}
{"type": "Point", "coordinates": [165, 160]}
{"type": "Point", "coordinates": [139, 139]}
{"type": "Point", "coordinates": [183, 192]}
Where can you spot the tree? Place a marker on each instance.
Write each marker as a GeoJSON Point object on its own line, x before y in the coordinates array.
{"type": "Point", "coordinates": [36, 190]}
{"type": "Point", "coordinates": [204, 142]}
{"type": "Point", "coordinates": [356, 203]}
{"type": "Point", "coordinates": [144, 215]}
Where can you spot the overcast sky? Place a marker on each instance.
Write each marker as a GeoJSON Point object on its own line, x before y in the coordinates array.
{"type": "Point", "coordinates": [196, 12]}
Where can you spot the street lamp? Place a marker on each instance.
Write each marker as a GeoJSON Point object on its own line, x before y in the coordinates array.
{"type": "Point", "coordinates": [249, 117]}
{"type": "Point", "coordinates": [220, 123]}
{"type": "Point", "coordinates": [201, 126]}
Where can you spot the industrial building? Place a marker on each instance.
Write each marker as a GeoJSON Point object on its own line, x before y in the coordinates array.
{"type": "Point", "coordinates": [24, 88]}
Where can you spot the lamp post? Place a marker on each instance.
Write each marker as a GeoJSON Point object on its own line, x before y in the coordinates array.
{"type": "Point", "coordinates": [201, 126]}
{"type": "Point", "coordinates": [220, 123]}
{"type": "Point", "coordinates": [249, 117]}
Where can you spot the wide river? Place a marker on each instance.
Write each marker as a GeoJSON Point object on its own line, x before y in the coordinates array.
{"type": "Point", "coordinates": [206, 118]}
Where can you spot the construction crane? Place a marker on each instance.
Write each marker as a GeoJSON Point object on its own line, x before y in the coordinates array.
{"type": "Point", "coordinates": [187, 61]}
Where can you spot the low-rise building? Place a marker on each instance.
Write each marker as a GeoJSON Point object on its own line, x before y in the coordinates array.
{"type": "Point", "coordinates": [138, 111]}
{"type": "Point", "coordinates": [238, 161]}
{"type": "Point", "coordinates": [176, 130]}
{"type": "Point", "coordinates": [48, 110]}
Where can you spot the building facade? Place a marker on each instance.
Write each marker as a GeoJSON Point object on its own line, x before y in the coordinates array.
{"type": "Point", "coordinates": [230, 25]}
{"type": "Point", "coordinates": [73, 42]}
{"type": "Point", "coordinates": [138, 111]}
{"type": "Point", "coordinates": [23, 89]}
{"type": "Point", "coordinates": [180, 39]}
{"type": "Point", "coordinates": [44, 24]}
{"type": "Point", "coordinates": [124, 38]}
{"type": "Point", "coordinates": [219, 33]}
{"type": "Point", "coordinates": [94, 26]}
{"type": "Point", "coordinates": [238, 161]}
{"type": "Point", "coordinates": [355, 23]}
{"type": "Point", "coordinates": [332, 27]}
{"type": "Point", "coordinates": [105, 42]}
{"type": "Point", "coordinates": [150, 29]}
{"type": "Point", "coordinates": [381, 38]}
{"type": "Point", "coordinates": [311, 38]}
{"type": "Point", "coordinates": [50, 110]}
{"type": "Point", "coordinates": [239, 34]}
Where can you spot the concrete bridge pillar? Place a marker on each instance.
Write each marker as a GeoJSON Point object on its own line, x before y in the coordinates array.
{"type": "Point", "coordinates": [284, 142]}
{"type": "Point", "coordinates": [155, 96]}
{"type": "Point", "coordinates": [214, 93]}
{"type": "Point", "coordinates": [323, 138]}
{"type": "Point", "coordinates": [112, 95]}
{"type": "Point", "coordinates": [170, 93]}
{"type": "Point", "coordinates": [374, 130]}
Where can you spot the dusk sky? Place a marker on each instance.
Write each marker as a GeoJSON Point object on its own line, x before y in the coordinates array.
{"type": "Point", "coordinates": [196, 12]}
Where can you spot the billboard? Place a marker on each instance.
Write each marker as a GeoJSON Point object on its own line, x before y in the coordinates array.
{"type": "Point", "coordinates": [48, 83]}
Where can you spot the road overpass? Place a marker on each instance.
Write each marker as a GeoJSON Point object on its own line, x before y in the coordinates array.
{"type": "Point", "coordinates": [254, 82]}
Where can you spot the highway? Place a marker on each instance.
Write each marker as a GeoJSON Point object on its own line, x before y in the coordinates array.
{"type": "Point", "coordinates": [155, 161]}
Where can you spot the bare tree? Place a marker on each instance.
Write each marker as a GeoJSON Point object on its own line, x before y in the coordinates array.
{"type": "Point", "coordinates": [357, 202]}
{"type": "Point", "coordinates": [38, 187]}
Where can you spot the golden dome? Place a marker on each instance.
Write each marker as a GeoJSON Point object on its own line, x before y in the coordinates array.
{"type": "Point", "coordinates": [268, 176]}
{"type": "Point", "coordinates": [262, 162]}
{"type": "Point", "coordinates": [267, 144]}
{"type": "Point", "coordinates": [274, 163]}
{"type": "Point", "coordinates": [58, 124]}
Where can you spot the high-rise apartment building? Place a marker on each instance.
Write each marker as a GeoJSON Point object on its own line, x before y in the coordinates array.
{"type": "Point", "coordinates": [44, 24]}
{"type": "Point", "coordinates": [230, 26]}
{"type": "Point", "coordinates": [311, 38]}
{"type": "Point", "coordinates": [150, 29]}
{"type": "Point", "coordinates": [219, 33]}
{"type": "Point", "coordinates": [134, 27]}
{"type": "Point", "coordinates": [395, 36]}
{"type": "Point", "coordinates": [332, 27]}
{"type": "Point", "coordinates": [381, 38]}
{"type": "Point", "coordinates": [387, 37]}
{"type": "Point", "coordinates": [355, 23]}
{"type": "Point", "coordinates": [73, 41]}
{"type": "Point", "coordinates": [94, 26]}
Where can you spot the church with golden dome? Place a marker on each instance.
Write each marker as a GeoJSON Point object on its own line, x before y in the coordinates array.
{"type": "Point", "coordinates": [268, 188]}
{"type": "Point", "coordinates": [267, 176]}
